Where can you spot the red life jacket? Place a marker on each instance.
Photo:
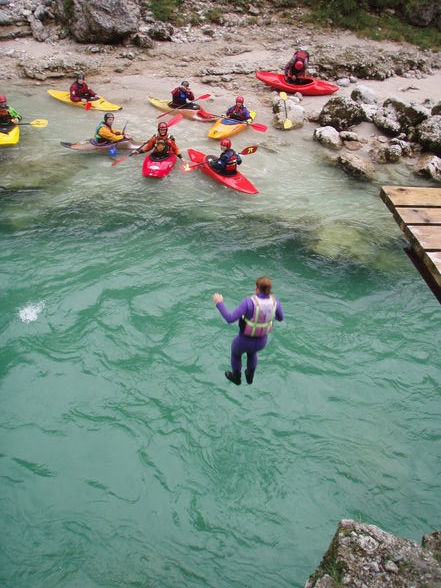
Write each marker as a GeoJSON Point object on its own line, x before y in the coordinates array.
{"type": "Point", "coordinates": [5, 117]}
{"type": "Point", "coordinates": [231, 165]}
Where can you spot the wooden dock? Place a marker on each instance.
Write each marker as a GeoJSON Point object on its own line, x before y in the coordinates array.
{"type": "Point", "coordinates": [418, 213]}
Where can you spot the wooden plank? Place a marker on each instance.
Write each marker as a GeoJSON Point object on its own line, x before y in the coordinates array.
{"type": "Point", "coordinates": [419, 216]}
{"type": "Point", "coordinates": [426, 237]}
{"type": "Point", "coordinates": [394, 196]}
{"type": "Point", "coordinates": [432, 260]}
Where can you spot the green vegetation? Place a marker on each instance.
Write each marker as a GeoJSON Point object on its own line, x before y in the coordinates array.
{"type": "Point", "coordinates": [214, 16]}
{"type": "Point", "coordinates": [374, 19]}
{"type": "Point", "coordinates": [68, 6]}
{"type": "Point", "coordinates": [167, 11]}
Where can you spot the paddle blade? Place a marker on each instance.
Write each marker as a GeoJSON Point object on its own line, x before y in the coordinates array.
{"type": "Point", "coordinates": [116, 161]}
{"type": "Point", "coordinates": [287, 124]}
{"type": "Point", "coordinates": [283, 95]}
{"type": "Point", "coordinates": [249, 150]}
{"type": "Point", "coordinates": [259, 127]}
{"type": "Point", "coordinates": [113, 151]}
{"type": "Point", "coordinates": [39, 122]}
{"type": "Point", "coordinates": [175, 119]}
{"type": "Point", "coordinates": [203, 97]}
{"type": "Point", "coordinates": [189, 166]}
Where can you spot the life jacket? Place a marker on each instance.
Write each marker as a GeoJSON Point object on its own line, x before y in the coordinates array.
{"type": "Point", "coordinates": [98, 138]}
{"type": "Point", "coordinates": [179, 96]}
{"type": "Point", "coordinates": [237, 111]}
{"type": "Point", "coordinates": [261, 323]}
{"type": "Point", "coordinates": [162, 144]}
{"type": "Point", "coordinates": [5, 117]}
{"type": "Point", "coordinates": [231, 164]}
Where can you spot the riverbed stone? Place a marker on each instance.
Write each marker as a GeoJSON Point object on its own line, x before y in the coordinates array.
{"type": "Point", "coordinates": [363, 94]}
{"type": "Point", "coordinates": [365, 556]}
{"type": "Point", "coordinates": [428, 134]}
{"type": "Point", "coordinates": [356, 167]}
{"type": "Point", "coordinates": [395, 116]}
{"type": "Point", "coordinates": [328, 137]}
{"type": "Point", "coordinates": [102, 21]}
{"type": "Point", "coordinates": [429, 166]}
{"type": "Point", "coordinates": [341, 113]}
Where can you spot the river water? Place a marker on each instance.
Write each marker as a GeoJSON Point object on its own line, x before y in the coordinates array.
{"type": "Point", "coordinates": [126, 456]}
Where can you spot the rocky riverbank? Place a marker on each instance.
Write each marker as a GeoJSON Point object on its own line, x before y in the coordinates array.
{"type": "Point", "coordinates": [387, 79]}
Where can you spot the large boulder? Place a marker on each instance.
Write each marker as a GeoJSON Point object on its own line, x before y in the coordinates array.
{"type": "Point", "coordinates": [341, 113]}
{"type": "Point", "coordinates": [365, 555]}
{"type": "Point", "coordinates": [428, 134]}
{"type": "Point", "coordinates": [101, 21]}
{"type": "Point", "coordinates": [396, 116]}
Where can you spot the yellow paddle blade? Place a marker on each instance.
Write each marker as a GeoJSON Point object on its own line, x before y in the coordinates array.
{"type": "Point", "coordinates": [39, 122]}
{"type": "Point", "coordinates": [287, 124]}
{"type": "Point", "coordinates": [283, 95]}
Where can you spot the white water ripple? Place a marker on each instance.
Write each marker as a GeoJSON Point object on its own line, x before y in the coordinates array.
{"type": "Point", "coordinates": [30, 312]}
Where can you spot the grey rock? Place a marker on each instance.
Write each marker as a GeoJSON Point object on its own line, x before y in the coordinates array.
{"type": "Point", "coordinates": [396, 116]}
{"type": "Point", "coordinates": [328, 137]}
{"type": "Point", "coordinates": [357, 167]}
{"type": "Point", "coordinates": [341, 113]}
{"type": "Point", "coordinates": [356, 563]}
{"type": "Point", "coordinates": [429, 166]}
{"type": "Point", "coordinates": [364, 95]}
{"type": "Point", "coordinates": [428, 134]}
{"type": "Point", "coordinates": [102, 21]}
{"type": "Point", "coordinates": [436, 108]}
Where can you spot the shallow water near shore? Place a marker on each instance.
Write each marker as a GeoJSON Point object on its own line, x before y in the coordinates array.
{"type": "Point", "coordinates": [126, 457]}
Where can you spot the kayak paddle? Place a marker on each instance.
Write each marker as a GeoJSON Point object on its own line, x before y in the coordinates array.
{"type": "Point", "coordinates": [175, 119]}
{"type": "Point", "coordinates": [287, 124]}
{"type": "Point", "coordinates": [40, 123]}
{"type": "Point", "coordinates": [203, 97]}
{"type": "Point", "coordinates": [191, 165]}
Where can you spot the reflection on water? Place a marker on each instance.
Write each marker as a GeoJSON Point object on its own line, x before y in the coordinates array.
{"type": "Point", "coordinates": [126, 457]}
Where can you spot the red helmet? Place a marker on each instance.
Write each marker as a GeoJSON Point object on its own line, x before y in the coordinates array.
{"type": "Point", "coordinates": [298, 65]}
{"type": "Point", "coordinates": [2, 98]}
{"type": "Point", "coordinates": [240, 99]}
{"type": "Point", "coordinates": [162, 125]}
{"type": "Point", "coordinates": [226, 143]}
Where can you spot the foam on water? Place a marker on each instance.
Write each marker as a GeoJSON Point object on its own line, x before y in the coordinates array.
{"type": "Point", "coordinates": [29, 313]}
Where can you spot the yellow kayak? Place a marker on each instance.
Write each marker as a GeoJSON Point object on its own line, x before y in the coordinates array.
{"type": "Point", "coordinates": [227, 127]}
{"type": "Point", "coordinates": [193, 114]}
{"type": "Point", "coordinates": [11, 137]}
{"type": "Point", "coordinates": [100, 104]}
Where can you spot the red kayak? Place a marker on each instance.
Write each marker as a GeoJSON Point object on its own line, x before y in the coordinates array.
{"type": "Point", "coordinates": [307, 86]}
{"type": "Point", "coordinates": [237, 182]}
{"type": "Point", "coordinates": [158, 168]}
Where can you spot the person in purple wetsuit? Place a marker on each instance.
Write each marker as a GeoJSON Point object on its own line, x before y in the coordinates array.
{"type": "Point", "coordinates": [255, 315]}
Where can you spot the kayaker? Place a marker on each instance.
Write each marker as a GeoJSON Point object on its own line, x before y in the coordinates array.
{"type": "Point", "coordinates": [104, 132]}
{"type": "Point", "coordinates": [227, 163]}
{"type": "Point", "coordinates": [80, 91]}
{"type": "Point", "coordinates": [255, 315]}
{"type": "Point", "coordinates": [239, 111]}
{"type": "Point", "coordinates": [161, 143]}
{"type": "Point", "coordinates": [8, 115]}
{"type": "Point", "coordinates": [183, 97]}
{"type": "Point", "coordinates": [296, 66]}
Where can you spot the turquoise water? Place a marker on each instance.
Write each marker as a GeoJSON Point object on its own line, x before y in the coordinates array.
{"type": "Point", "coordinates": [126, 457]}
